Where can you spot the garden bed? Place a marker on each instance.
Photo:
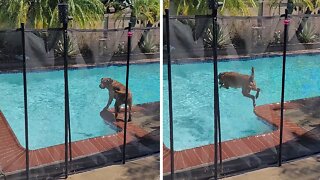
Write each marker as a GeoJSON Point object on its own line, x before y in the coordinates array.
{"type": "Point", "coordinates": [238, 51]}
{"type": "Point", "coordinates": [10, 63]}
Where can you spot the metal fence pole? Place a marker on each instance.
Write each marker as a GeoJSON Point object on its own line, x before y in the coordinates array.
{"type": "Point", "coordinates": [216, 97]}
{"type": "Point", "coordinates": [64, 19]}
{"type": "Point", "coordinates": [286, 23]}
{"type": "Point", "coordinates": [66, 98]}
{"type": "Point", "coordinates": [170, 92]}
{"type": "Point", "coordinates": [127, 89]}
{"type": "Point", "coordinates": [25, 95]}
{"type": "Point", "coordinates": [214, 5]}
{"type": "Point", "coordinates": [219, 142]}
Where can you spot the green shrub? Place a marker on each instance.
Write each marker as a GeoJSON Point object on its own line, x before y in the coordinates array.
{"type": "Point", "coordinates": [238, 41]}
{"type": "Point", "coordinates": [277, 37]}
{"type": "Point", "coordinates": [148, 44]}
{"type": "Point", "coordinates": [222, 38]}
{"type": "Point", "coordinates": [308, 34]}
{"type": "Point", "coordinates": [72, 49]}
{"type": "Point", "coordinates": [121, 49]}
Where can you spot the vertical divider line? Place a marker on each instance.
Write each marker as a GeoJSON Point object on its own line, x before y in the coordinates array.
{"type": "Point", "coordinates": [25, 95]}
{"type": "Point", "coordinates": [170, 94]}
{"type": "Point", "coordinates": [286, 23]}
{"type": "Point", "coordinates": [127, 89]}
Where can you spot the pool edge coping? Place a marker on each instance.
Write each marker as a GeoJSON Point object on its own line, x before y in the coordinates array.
{"type": "Point", "coordinates": [260, 111]}
{"type": "Point", "coordinates": [226, 58]}
{"type": "Point", "coordinates": [82, 66]}
{"type": "Point", "coordinates": [112, 138]}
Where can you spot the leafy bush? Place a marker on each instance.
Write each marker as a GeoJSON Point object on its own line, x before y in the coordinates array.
{"type": "Point", "coordinates": [308, 34]}
{"type": "Point", "coordinates": [238, 41]}
{"type": "Point", "coordinates": [85, 50]}
{"type": "Point", "coordinates": [148, 44]}
{"type": "Point", "coordinates": [222, 38]}
{"type": "Point", "coordinates": [277, 37]}
{"type": "Point", "coordinates": [72, 49]}
{"type": "Point", "coordinates": [121, 49]}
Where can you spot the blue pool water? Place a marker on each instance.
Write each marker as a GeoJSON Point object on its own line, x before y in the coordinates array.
{"type": "Point", "coordinates": [46, 101]}
{"type": "Point", "coordinates": [193, 97]}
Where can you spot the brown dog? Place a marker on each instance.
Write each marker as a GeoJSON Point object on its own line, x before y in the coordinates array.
{"type": "Point", "coordinates": [116, 91]}
{"type": "Point", "coordinates": [236, 80]}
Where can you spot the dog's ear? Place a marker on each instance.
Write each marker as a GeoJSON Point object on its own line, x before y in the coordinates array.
{"type": "Point", "coordinates": [108, 80]}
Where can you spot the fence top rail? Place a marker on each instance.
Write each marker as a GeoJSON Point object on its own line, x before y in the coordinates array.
{"type": "Point", "coordinates": [8, 30]}
{"type": "Point", "coordinates": [82, 30]}
{"type": "Point", "coordinates": [241, 17]}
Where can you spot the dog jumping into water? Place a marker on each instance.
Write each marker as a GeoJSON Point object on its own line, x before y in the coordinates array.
{"type": "Point", "coordinates": [237, 80]}
{"type": "Point", "coordinates": [117, 91]}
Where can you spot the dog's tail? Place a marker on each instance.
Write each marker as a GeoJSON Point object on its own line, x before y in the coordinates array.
{"type": "Point", "coordinates": [252, 75]}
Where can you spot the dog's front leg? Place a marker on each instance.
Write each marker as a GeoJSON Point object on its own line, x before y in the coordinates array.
{"type": "Point", "coordinates": [111, 96]}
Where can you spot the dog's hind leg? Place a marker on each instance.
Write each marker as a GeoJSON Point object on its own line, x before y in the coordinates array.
{"type": "Point", "coordinates": [256, 89]}
{"type": "Point", "coordinates": [258, 92]}
{"type": "Point", "coordinates": [116, 109]}
{"type": "Point", "coordinates": [246, 93]}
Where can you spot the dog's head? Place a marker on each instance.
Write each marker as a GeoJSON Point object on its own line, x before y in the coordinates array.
{"type": "Point", "coordinates": [105, 83]}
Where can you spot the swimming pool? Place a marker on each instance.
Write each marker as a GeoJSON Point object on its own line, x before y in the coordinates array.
{"type": "Point", "coordinates": [46, 101]}
{"type": "Point", "coordinates": [192, 86]}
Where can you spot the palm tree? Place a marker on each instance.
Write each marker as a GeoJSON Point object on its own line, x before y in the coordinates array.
{"type": "Point", "coordinates": [304, 6]}
{"type": "Point", "coordinates": [166, 4]}
{"type": "Point", "coordinates": [189, 7]}
{"type": "Point", "coordinates": [145, 11]}
{"type": "Point", "coordinates": [200, 7]}
{"type": "Point", "coordinates": [42, 14]}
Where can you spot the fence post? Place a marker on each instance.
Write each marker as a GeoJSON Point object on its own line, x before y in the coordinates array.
{"type": "Point", "coordinates": [286, 23]}
{"type": "Point", "coordinates": [25, 96]}
{"type": "Point", "coordinates": [127, 89]}
{"type": "Point", "coordinates": [214, 5]}
{"type": "Point", "coordinates": [170, 93]}
{"type": "Point", "coordinates": [63, 17]}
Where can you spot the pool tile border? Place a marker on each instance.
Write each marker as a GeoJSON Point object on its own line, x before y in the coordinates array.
{"type": "Point", "coordinates": [82, 66]}
{"type": "Point", "coordinates": [226, 58]}
{"type": "Point", "coordinates": [203, 156]}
